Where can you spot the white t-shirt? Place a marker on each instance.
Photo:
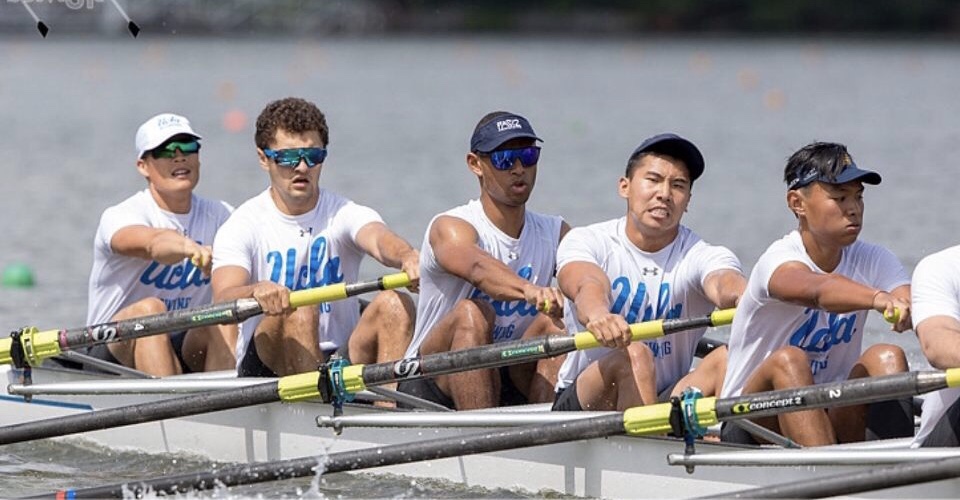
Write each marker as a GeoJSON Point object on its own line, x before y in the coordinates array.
{"type": "Point", "coordinates": [303, 251]}
{"type": "Point", "coordinates": [936, 292]}
{"type": "Point", "coordinates": [532, 256]}
{"type": "Point", "coordinates": [645, 286]}
{"type": "Point", "coordinates": [117, 281]}
{"type": "Point", "coordinates": [833, 342]}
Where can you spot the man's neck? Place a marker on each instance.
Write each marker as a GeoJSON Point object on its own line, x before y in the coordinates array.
{"type": "Point", "coordinates": [825, 255]}
{"type": "Point", "coordinates": [506, 218]}
{"type": "Point", "coordinates": [176, 202]}
{"type": "Point", "coordinates": [650, 241]}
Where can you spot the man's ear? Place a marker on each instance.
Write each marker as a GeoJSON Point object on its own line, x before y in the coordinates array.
{"type": "Point", "coordinates": [623, 187]}
{"type": "Point", "coordinates": [795, 201]}
{"type": "Point", "coordinates": [473, 163]}
{"type": "Point", "coordinates": [264, 161]}
{"type": "Point", "coordinates": [142, 167]}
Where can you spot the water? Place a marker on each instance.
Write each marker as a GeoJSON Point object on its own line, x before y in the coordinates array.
{"type": "Point", "coordinates": [401, 112]}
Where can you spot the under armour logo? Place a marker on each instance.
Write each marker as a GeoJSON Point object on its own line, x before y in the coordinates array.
{"type": "Point", "coordinates": [512, 255]}
{"type": "Point", "coordinates": [650, 271]}
{"type": "Point", "coordinates": [304, 232]}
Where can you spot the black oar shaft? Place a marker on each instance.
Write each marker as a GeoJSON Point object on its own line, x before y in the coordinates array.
{"type": "Point", "coordinates": [491, 356]}
{"type": "Point", "coordinates": [141, 413]}
{"type": "Point", "coordinates": [850, 483]}
{"type": "Point", "coordinates": [506, 439]}
{"type": "Point", "coordinates": [515, 352]}
{"type": "Point", "coordinates": [173, 321]}
{"type": "Point", "coordinates": [845, 393]}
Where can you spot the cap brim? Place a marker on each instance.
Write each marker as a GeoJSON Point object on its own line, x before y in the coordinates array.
{"type": "Point", "coordinates": [489, 146]}
{"type": "Point", "coordinates": [854, 173]}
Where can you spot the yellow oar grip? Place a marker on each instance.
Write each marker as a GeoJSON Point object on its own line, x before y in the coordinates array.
{"type": "Point", "coordinates": [5, 345]}
{"type": "Point", "coordinates": [646, 330]}
{"type": "Point", "coordinates": [645, 420]}
{"type": "Point", "coordinates": [892, 318]}
{"type": "Point", "coordinates": [353, 379]}
{"type": "Point", "coordinates": [327, 293]}
{"type": "Point", "coordinates": [722, 316]}
{"type": "Point", "coordinates": [398, 280]}
{"type": "Point", "coordinates": [953, 377]}
{"type": "Point", "coordinates": [298, 387]}
{"type": "Point", "coordinates": [585, 340]}
{"type": "Point", "coordinates": [37, 346]}
{"type": "Point", "coordinates": [655, 419]}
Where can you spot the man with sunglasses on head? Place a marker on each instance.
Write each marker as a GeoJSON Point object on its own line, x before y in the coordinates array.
{"type": "Point", "coordinates": [296, 235]}
{"type": "Point", "coordinates": [801, 320]}
{"type": "Point", "coordinates": [640, 267]}
{"type": "Point", "coordinates": [486, 269]}
{"type": "Point", "coordinates": [152, 254]}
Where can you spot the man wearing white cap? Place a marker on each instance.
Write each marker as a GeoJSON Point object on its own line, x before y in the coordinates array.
{"type": "Point", "coordinates": [152, 254]}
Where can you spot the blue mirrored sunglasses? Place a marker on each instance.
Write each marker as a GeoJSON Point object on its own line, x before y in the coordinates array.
{"type": "Point", "coordinates": [503, 159]}
{"type": "Point", "coordinates": [290, 158]}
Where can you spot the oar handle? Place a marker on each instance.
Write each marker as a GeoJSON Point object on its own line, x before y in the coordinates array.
{"type": "Point", "coordinates": [658, 328]}
{"type": "Point", "coordinates": [893, 318]}
{"type": "Point", "coordinates": [338, 291]}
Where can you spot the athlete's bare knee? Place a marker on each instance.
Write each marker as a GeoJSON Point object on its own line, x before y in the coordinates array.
{"type": "Point", "coordinates": [887, 355]}
{"type": "Point", "coordinates": [790, 364]}
{"type": "Point", "coordinates": [641, 358]}
{"type": "Point", "coordinates": [474, 317]}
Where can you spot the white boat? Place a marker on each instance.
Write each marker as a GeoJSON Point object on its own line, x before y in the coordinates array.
{"type": "Point", "coordinates": [619, 466]}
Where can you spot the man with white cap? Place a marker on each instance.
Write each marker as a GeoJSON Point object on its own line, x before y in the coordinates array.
{"type": "Point", "coordinates": [485, 274]}
{"type": "Point", "coordinates": [152, 254]}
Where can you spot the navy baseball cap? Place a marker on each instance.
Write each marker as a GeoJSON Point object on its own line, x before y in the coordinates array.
{"type": "Point", "coordinates": [677, 147]}
{"type": "Point", "coordinates": [500, 130]}
{"type": "Point", "coordinates": [850, 172]}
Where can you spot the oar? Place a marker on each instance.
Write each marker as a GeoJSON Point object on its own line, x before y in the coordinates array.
{"type": "Point", "coordinates": [33, 346]}
{"type": "Point", "coordinates": [857, 482]}
{"type": "Point", "coordinates": [355, 378]}
{"type": "Point", "coordinates": [690, 415]}
{"type": "Point", "coordinates": [320, 383]}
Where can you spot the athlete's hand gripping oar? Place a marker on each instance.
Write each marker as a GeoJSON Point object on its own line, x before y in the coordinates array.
{"type": "Point", "coordinates": [32, 346]}
{"type": "Point", "coordinates": [687, 416]}
{"type": "Point", "coordinates": [321, 383]}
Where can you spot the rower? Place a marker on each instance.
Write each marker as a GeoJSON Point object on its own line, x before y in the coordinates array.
{"type": "Point", "coordinates": [936, 315]}
{"type": "Point", "coordinates": [296, 235]}
{"type": "Point", "coordinates": [801, 320]}
{"type": "Point", "coordinates": [486, 273]}
{"type": "Point", "coordinates": [152, 254]}
{"type": "Point", "coordinates": [643, 266]}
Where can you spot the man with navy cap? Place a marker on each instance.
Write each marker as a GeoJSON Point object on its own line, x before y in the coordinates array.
{"type": "Point", "coordinates": [485, 274]}
{"type": "Point", "coordinates": [801, 319]}
{"type": "Point", "coordinates": [641, 267]}
{"type": "Point", "coordinates": [152, 254]}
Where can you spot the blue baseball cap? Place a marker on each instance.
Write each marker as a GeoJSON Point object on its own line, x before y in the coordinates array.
{"type": "Point", "coordinates": [851, 172]}
{"type": "Point", "coordinates": [499, 130]}
{"type": "Point", "coordinates": [677, 147]}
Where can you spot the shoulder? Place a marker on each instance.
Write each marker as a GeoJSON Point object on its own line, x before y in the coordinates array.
{"type": "Point", "coordinates": [947, 260]}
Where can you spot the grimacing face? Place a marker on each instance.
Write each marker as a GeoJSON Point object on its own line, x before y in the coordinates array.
{"type": "Point", "coordinates": [657, 194]}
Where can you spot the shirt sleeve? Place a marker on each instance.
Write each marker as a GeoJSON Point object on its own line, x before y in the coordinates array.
{"type": "Point", "coordinates": [711, 258]}
{"type": "Point", "coordinates": [353, 217]}
{"type": "Point", "coordinates": [935, 290]}
{"type": "Point", "coordinates": [579, 245]}
{"type": "Point", "coordinates": [231, 246]}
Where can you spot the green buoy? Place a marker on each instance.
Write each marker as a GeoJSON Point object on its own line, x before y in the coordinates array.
{"type": "Point", "coordinates": [17, 276]}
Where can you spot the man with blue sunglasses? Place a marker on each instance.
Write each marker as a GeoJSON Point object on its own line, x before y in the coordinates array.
{"type": "Point", "coordinates": [152, 254]}
{"type": "Point", "coordinates": [296, 235]}
{"type": "Point", "coordinates": [486, 272]}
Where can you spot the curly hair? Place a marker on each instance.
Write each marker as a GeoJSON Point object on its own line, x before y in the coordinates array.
{"type": "Point", "coordinates": [291, 114]}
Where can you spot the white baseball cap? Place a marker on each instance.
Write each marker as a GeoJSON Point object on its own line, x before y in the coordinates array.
{"type": "Point", "coordinates": [158, 129]}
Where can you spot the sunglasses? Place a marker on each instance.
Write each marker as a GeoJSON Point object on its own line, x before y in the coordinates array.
{"type": "Point", "coordinates": [504, 159]}
{"type": "Point", "coordinates": [290, 158]}
{"type": "Point", "coordinates": [169, 150]}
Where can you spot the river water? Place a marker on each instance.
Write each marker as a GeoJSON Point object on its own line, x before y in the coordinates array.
{"type": "Point", "coordinates": [401, 111]}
